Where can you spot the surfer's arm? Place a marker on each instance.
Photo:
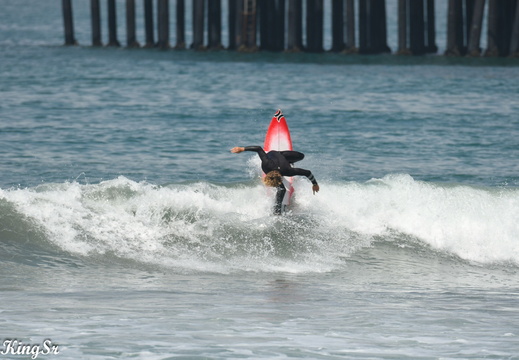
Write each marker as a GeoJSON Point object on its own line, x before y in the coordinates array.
{"type": "Point", "coordinates": [257, 149]}
{"type": "Point", "coordinates": [308, 174]}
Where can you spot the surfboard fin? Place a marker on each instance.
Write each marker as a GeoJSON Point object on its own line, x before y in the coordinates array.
{"type": "Point", "coordinates": [278, 115]}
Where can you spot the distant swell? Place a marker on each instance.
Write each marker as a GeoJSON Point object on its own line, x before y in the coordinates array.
{"type": "Point", "coordinates": [224, 228]}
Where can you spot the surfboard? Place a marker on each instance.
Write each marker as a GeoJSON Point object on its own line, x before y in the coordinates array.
{"type": "Point", "coordinates": [278, 138]}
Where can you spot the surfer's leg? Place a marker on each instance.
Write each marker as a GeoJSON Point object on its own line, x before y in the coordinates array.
{"type": "Point", "coordinates": [280, 194]}
{"type": "Point", "coordinates": [293, 156]}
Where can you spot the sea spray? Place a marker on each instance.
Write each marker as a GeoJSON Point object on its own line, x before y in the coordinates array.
{"type": "Point", "coordinates": [229, 227]}
{"type": "Point", "coordinates": [476, 224]}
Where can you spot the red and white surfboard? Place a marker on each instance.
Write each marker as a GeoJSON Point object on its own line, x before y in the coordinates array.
{"type": "Point", "coordinates": [278, 138]}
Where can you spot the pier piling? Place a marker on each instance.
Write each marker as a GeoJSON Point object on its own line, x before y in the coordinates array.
{"type": "Point", "coordinates": [295, 26]}
{"type": "Point", "coordinates": [431, 47]}
{"type": "Point", "coordinates": [475, 30]}
{"type": "Point", "coordinates": [337, 25]}
{"type": "Point", "coordinates": [248, 33]}
{"type": "Point", "coordinates": [454, 32]}
{"type": "Point", "coordinates": [279, 25]}
{"type": "Point", "coordinates": [372, 27]}
{"type": "Point", "coordinates": [350, 27]}
{"type": "Point", "coordinates": [238, 24]}
{"type": "Point", "coordinates": [403, 49]}
{"type": "Point", "coordinates": [272, 25]}
{"type": "Point", "coordinates": [501, 22]}
{"type": "Point", "coordinates": [131, 37]}
{"type": "Point", "coordinates": [214, 21]}
{"type": "Point", "coordinates": [417, 27]}
{"type": "Point", "coordinates": [181, 25]}
{"type": "Point", "coordinates": [233, 26]}
{"type": "Point", "coordinates": [266, 24]}
{"type": "Point", "coordinates": [314, 25]}
{"type": "Point", "coordinates": [163, 24]}
{"type": "Point", "coordinates": [198, 24]}
{"type": "Point", "coordinates": [381, 28]}
{"type": "Point", "coordinates": [112, 24]}
{"type": "Point", "coordinates": [95, 13]}
{"type": "Point", "coordinates": [148, 23]}
{"type": "Point", "coordinates": [514, 41]}
{"type": "Point", "coordinates": [68, 22]}
{"type": "Point", "coordinates": [493, 20]}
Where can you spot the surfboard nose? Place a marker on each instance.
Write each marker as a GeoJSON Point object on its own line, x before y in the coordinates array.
{"type": "Point", "coordinates": [278, 115]}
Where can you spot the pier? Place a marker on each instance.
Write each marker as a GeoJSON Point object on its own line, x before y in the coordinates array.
{"type": "Point", "coordinates": [357, 26]}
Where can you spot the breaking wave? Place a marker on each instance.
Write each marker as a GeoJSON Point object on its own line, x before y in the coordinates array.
{"type": "Point", "coordinates": [201, 226]}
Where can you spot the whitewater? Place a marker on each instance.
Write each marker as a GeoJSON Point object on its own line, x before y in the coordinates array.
{"type": "Point", "coordinates": [213, 227]}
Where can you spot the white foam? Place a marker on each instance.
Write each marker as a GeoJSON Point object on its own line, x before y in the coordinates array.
{"type": "Point", "coordinates": [201, 226]}
{"type": "Point", "coordinates": [474, 223]}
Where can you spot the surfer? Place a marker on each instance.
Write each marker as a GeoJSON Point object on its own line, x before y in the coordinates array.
{"type": "Point", "coordinates": [276, 164]}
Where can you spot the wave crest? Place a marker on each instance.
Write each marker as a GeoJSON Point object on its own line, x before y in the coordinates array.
{"type": "Point", "coordinates": [209, 227]}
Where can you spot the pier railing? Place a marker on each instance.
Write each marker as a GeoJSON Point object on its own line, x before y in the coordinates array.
{"type": "Point", "coordinates": [278, 25]}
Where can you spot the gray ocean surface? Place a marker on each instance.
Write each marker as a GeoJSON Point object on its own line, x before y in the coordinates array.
{"type": "Point", "coordinates": [129, 231]}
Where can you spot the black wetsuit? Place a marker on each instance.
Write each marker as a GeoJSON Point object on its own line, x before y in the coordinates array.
{"type": "Point", "coordinates": [281, 161]}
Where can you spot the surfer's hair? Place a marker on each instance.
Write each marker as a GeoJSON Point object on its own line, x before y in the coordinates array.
{"type": "Point", "coordinates": [273, 178]}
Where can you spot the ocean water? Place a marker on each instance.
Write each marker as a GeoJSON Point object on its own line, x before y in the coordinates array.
{"type": "Point", "coordinates": [128, 229]}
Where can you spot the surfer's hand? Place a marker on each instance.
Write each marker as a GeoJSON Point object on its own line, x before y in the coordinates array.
{"type": "Point", "coordinates": [237, 149]}
{"type": "Point", "coordinates": [315, 188]}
